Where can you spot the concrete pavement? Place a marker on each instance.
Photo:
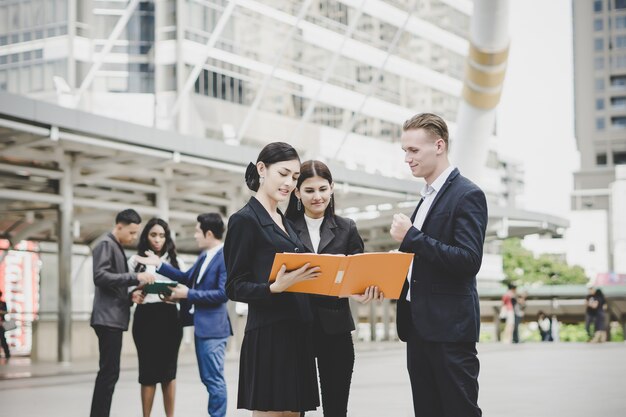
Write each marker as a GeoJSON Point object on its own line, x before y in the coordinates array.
{"type": "Point", "coordinates": [527, 380]}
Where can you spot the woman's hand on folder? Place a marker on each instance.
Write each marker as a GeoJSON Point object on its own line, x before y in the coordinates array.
{"type": "Point", "coordinates": [286, 279]}
{"type": "Point", "coordinates": [371, 293]}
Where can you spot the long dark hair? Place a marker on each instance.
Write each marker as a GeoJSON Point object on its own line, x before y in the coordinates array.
{"type": "Point", "coordinates": [272, 153]}
{"type": "Point", "coordinates": [169, 247]}
{"type": "Point", "coordinates": [310, 169]}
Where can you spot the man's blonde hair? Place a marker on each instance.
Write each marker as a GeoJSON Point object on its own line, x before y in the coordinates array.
{"type": "Point", "coordinates": [431, 123]}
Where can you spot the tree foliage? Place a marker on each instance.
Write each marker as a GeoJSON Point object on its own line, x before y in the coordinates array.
{"type": "Point", "coordinates": [521, 267]}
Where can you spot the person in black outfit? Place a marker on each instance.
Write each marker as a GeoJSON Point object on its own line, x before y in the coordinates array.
{"type": "Point", "coordinates": [111, 304]}
{"type": "Point", "coordinates": [591, 311]}
{"type": "Point", "coordinates": [276, 366]}
{"type": "Point", "coordinates": [599, 303]}
{"type": "Point", "coordinates": [312, 211]}
{"type": "Point", "coordinates": [157, 331]}
{"type": "Point", "coordinates": [438, 310]}
{"type": "Point", "coordinates": [3, 339]}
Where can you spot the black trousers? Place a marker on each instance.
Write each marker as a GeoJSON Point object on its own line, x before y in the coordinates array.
{"type": "Point", "coordinates": [335, 363]}
{"type": "Point", "coordinates": [444, 378]}
{"type": "Point", "coordinates": [110, 347]}
{"type": "Point", "coordinates": [5, 345]}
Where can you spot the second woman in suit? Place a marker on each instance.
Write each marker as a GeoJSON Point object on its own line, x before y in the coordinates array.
{"type": "Point", "coordinates": [312, 211]}
{"type": "Point", "coordinates": [156, 329]}
{"type": "Point", "coordinates": [277, 368]}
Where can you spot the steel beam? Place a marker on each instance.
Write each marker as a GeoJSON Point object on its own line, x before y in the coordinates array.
{"type": "Point", "coordinates": [195, 72]}
{"type": "Point", "coordinates": [66, 213]}
{"type": "Point", "coordinates": [329, 70]}
{"type": "Point", "coordinates": [115, 33]}
{"type": "Point", "coordinates": [269, 76]}
{"type": "Point", "coordinates": [349, 125]}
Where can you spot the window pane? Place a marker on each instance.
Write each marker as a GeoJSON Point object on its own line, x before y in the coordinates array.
{"type": "Point", "coordinates": [601, 159]}
{"type": "Point", "coordinates": [617, 81]}
{"type": "Point", "coordinates": [600, 104]}
{"type": "Point", "coordinates": [597, 6]}
{"type": "Point", "coordinates": [599, 84]}
{"type": "Point", "coordinates": [598, 63]}
{"type": "Point", "coordinates": [619, 122]}
{"type": "Point", "coordinates": [598, 25]}
{"type": "Point", "coordinates": [600, 123]}
{"type": "Point", "coordinates": [598, 44]}
{"type": "Point", "coordinates": [620, 41]}
{"type": "Point", "coordinates": [618, 102]}
{"type": "Point", "coordinates": [620, 22]}
{"type": "Point", "coordinates": [620, 4]}
{"type": "Point", "coordinates": [619, 158]}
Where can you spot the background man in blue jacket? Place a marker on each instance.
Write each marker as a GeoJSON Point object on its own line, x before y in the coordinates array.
{"type": "Point", "coordinates": [438, 312]}
{"type": "Point", "coordinates": [203, 286]}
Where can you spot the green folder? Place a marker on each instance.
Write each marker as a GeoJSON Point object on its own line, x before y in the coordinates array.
{"type": "Point", "coordinates": [160, 287]}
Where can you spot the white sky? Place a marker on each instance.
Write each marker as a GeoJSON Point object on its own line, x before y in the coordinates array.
{"type": "Point", "coordinates": [535, 115]}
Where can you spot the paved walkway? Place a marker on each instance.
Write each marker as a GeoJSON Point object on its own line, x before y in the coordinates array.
{"type": "Point", "coordinates": [528, 380]}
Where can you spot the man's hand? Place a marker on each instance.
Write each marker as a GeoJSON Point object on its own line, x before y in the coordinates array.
{"type": "Point", "coordinates": [138, 296]}
{"type": "Point", "coordinates": [150, 259]}
{"type": "Point", "coordinates": [400, 226]}
{"type": "Point", "coordinates": [180, 291]}
{"type": "Point", "coordinates": [286, 279]}
{"type": "Point", "coordinates": [145, 278]}
{"type": "Point", "coordinates": [371, 293]}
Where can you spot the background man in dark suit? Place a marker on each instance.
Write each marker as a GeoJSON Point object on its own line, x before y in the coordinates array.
{"type": "Point", "coordinates": [204, 287]}
{"type": "Point", "coordinates": [438, 312]}
{"type": "Point", "coordinates": [111, 304]}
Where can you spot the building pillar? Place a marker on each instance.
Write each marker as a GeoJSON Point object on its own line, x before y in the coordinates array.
{"type": "Point", "coordinates": [386, 305]}
{"type": "Point", "coordinates": [65, 237]}
{"type": "Point", "coordinates": [496, 324]}
{"type": "Point", "coordinates": [372, 320]}
{"type": "Point", "coordinates": [163, 202]}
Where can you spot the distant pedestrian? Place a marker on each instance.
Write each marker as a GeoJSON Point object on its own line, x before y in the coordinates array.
{"type": "Point", "coordinates": [507, 313]}
{"type": "Point", "coordinates": [591, 310]}
{"type": "Point", "coordinates": [519, 304]}
{"type": "Point", "coordinates": [545, 326]}
{"type": "Point", "coordinates": [600, 334]}
{"type": "Point", "coordinates": [3, 310]}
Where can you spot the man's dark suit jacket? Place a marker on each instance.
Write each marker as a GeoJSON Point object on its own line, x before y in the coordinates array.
{"type": "Point", "coordinates": [252, 240]}
{"type": "Point", "coordinates": [338, 235]}
{"type": "Point", "coordinates": [210, 317]}
{"type": "Point", "coordinates": [448, 254]}
{"type": "Point", "coordinates": [111, 302]}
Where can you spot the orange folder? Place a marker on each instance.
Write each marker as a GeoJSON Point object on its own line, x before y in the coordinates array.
{"type": "Point", "coordinates": [343, 275]}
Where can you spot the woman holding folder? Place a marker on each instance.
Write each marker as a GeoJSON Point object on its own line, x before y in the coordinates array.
{"type": "Point", "coordinates": [277, 367]}
{"type": "Point", "coordinates": [156, 329]}
{"type": "Point", "coordinates": [312, 211]}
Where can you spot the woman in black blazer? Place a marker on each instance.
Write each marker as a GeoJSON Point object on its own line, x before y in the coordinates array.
{"type": "Point", "coordinates": [312, 211]}
{"type": "Point", "coordinates": [277, 365]}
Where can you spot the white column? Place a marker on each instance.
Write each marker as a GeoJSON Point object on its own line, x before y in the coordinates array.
{"type": "Point", "coordinates": [484, 75]}
{"type": "Point", "coordinates": [617, 223]}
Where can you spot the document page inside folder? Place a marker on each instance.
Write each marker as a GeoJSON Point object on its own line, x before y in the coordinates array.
{"type": "Point", "coordinates": [385, 270]}
{"type": "Point", "coordinates": [328, 264]}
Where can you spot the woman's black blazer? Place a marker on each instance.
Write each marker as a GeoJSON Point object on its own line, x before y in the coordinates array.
{"type": "Point", "coordinates": [338, 235]}
{"type": "Point", "coordinates": [252, 240]}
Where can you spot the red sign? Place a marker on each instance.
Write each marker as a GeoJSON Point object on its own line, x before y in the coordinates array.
{"type": "Point", "coordinates": [19, 282]}
{"type": "Point", "coordinates": [610, 278]}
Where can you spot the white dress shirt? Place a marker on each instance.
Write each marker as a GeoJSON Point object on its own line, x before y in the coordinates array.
{"type": "Point", "coordinates": [428, 193]}
{"type": "Point", "coordinates": [314, 227]}
{"type": "Point", "coordinates": [210, 254]}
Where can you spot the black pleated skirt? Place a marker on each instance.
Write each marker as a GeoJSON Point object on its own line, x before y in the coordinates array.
{"type": "Point", "coordinates": [277, 369]}
{"type": "Point", "coordinates": [157, 334]}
